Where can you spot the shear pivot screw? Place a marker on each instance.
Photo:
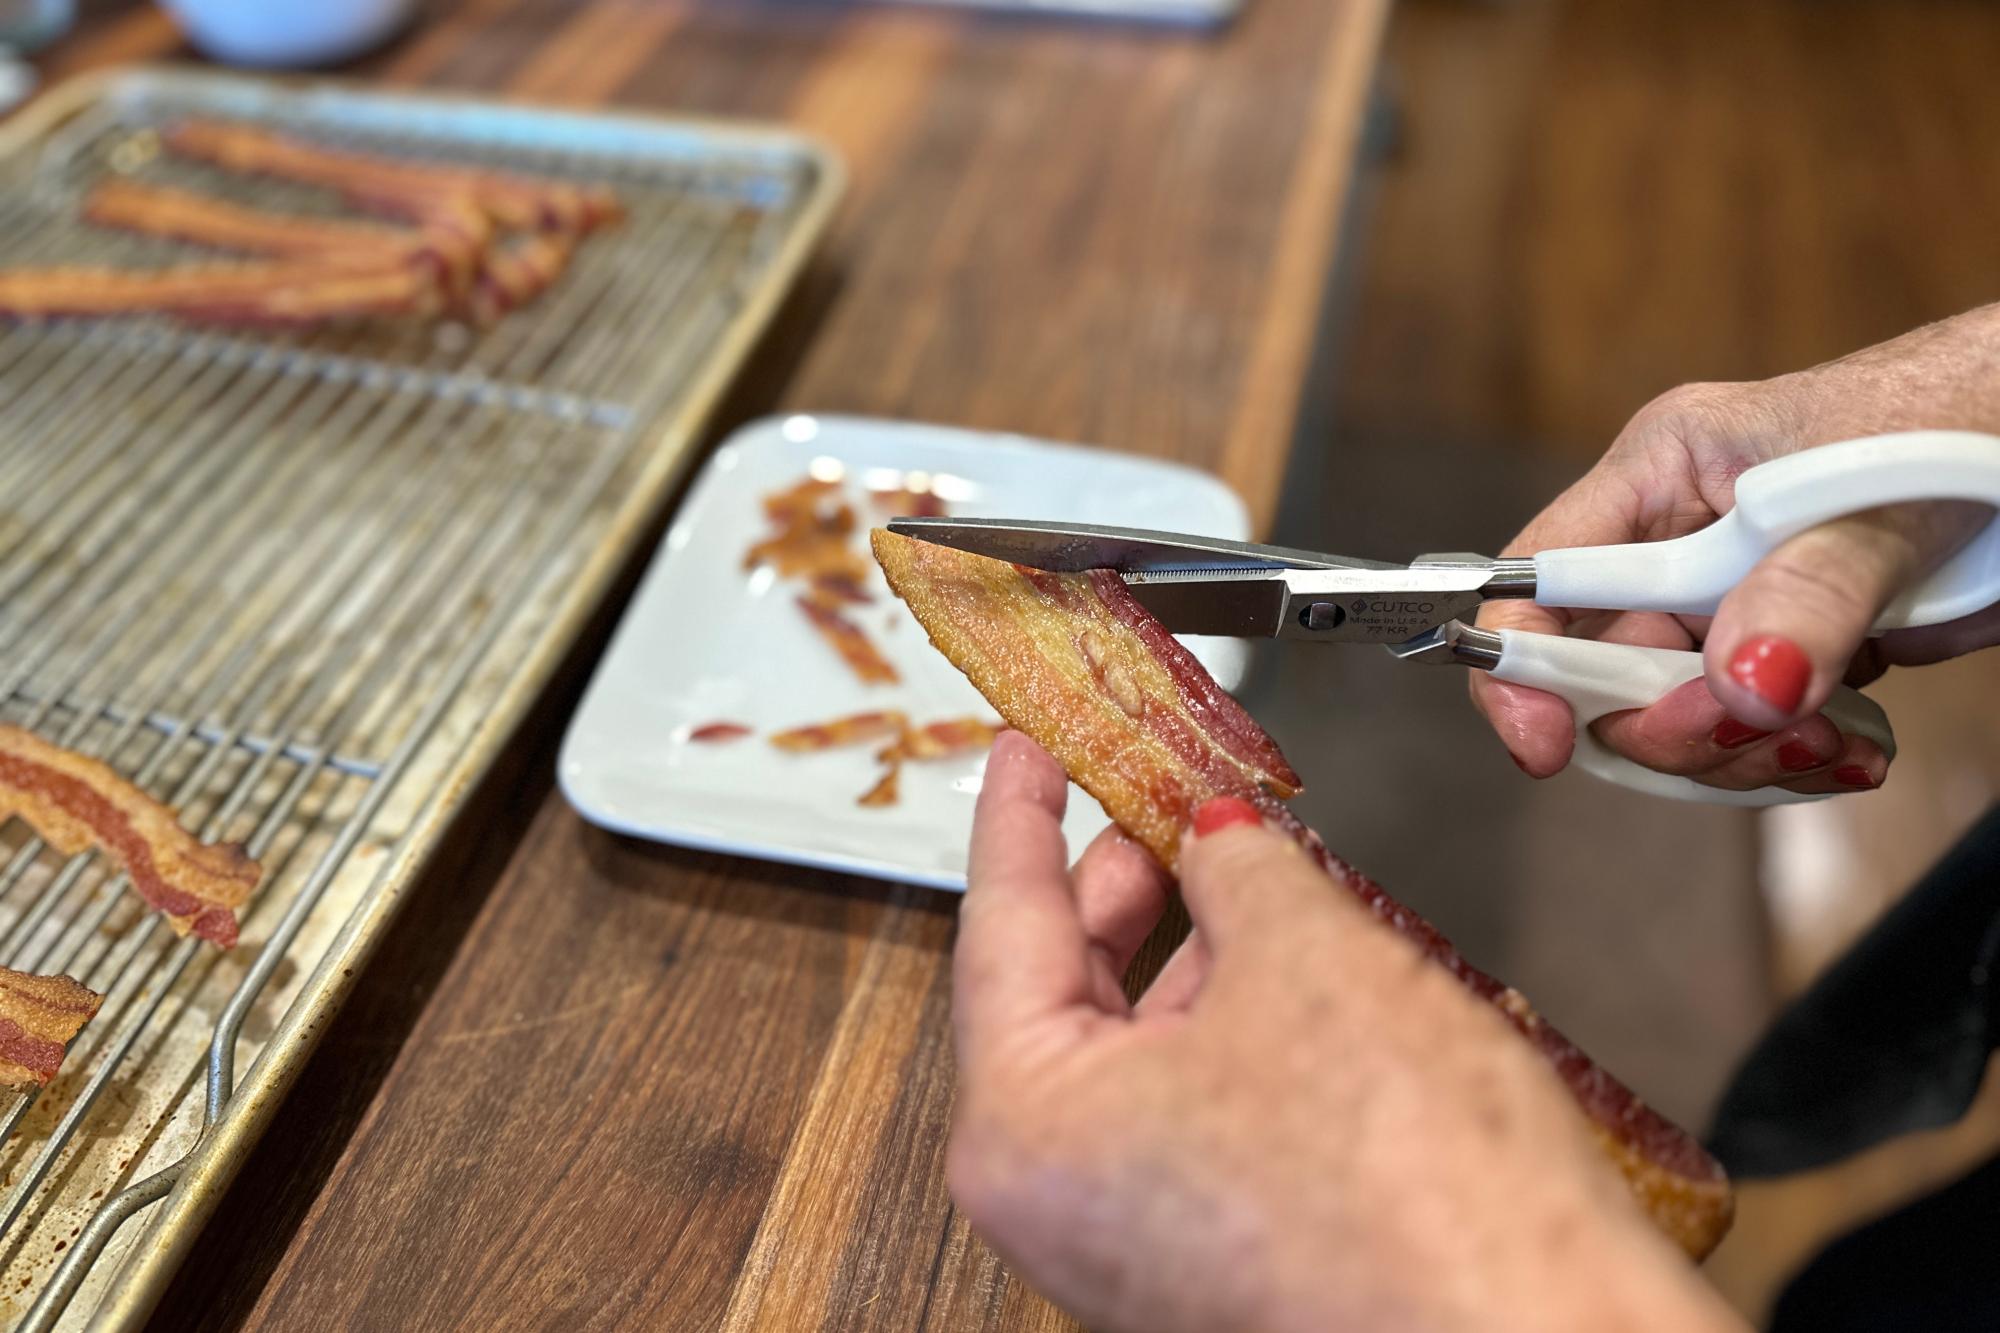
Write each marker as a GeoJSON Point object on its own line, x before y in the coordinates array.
{"type": "Point", "coordinates": [1322, 616]}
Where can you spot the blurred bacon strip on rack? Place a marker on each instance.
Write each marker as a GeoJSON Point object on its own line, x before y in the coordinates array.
{"type": "Point", "coordinates": [184, 215]}
{"type": "Point", "coordinates": [280, 294]}
{"type": "Point", "coordinates": [515, 272]}
{"type": "Point", "coordinates": [76, 803]}
{"type": "Point", "coordinates": [516, 203]}
{"type": "Point", "coordinates": [39, 1017]}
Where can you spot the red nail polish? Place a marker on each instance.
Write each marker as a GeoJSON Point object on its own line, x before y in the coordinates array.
{"type": "Point", "coordinates": [1774, 669]}
{"type": "Point", "coordinates": [1224, 812]}
{"type": "Point", "coordinates": [1853, 775]}
{"type": "Point", "coordinates": [1733, 735]}
{"type": "Point", "coordinates": [1797, 757]}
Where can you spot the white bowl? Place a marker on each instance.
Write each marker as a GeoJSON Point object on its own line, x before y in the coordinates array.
{"type": "Point", "coordinates": [279, 33]}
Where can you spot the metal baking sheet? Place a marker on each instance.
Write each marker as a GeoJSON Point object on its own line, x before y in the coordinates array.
{"type": "Point", "coordinates": [302, 586]}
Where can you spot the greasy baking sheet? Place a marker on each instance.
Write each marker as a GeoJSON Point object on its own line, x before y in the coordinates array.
{"type": "Point", "coordinates": [301, 586]}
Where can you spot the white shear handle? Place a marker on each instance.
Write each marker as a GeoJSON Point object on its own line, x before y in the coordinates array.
{"type": "Point", "coordinates": [1598, 678]}
{"type": "Point", "coordinates": [1778, 500]}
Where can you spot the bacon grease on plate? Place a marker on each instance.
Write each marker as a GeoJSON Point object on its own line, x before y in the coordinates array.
{"type": "Point", "coordinates": [75, 802]}
{"type": "Point", "coordinates": [1075, 662]}
{"type": "Point", "coordinates": [39, 1017]}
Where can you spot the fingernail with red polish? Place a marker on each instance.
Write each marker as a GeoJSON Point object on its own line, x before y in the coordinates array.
{"type": "Point", "coordinates": [1853, 775]}
{"type": "Point", "coordinates": [1774, 669]}
{"type": "Point", "coordinates": [1733, 735]}
{"type": "Point", "coordinates": [1224, 812]}
{"type": "Point", "coordinates": [1797, 757]}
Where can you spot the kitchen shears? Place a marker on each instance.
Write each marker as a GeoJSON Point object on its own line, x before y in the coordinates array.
{"type": "Point", "coordinates": [1422, 611]}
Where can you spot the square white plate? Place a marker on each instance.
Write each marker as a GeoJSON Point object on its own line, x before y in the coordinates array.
{"type": "Point", "coordinates": [706, 641]}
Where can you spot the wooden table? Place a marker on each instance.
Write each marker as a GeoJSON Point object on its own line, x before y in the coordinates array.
{"type": "Point", "coordinates": [595, 1083]}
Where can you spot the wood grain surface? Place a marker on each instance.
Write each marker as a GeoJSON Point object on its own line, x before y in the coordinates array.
{"type": "Point", "coordinates": [591, 1083]}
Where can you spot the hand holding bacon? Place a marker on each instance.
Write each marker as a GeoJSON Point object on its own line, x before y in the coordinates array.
{"type": "Point", "coordinates": [1077, 664]}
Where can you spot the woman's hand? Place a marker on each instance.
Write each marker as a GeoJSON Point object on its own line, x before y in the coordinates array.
{"type": "Point", "coordinates": [1797, 625]}
{"type": "Point", "coordinates": [1301, 1125]}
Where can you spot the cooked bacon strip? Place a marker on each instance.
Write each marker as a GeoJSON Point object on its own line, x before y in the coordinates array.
{"type": "Point", "coordinates": [184, 215]}
{"type": "Point", "coordinates": [854, 647]}
{"type": "Point", "coordinates": [850, 730]}
{"type": "Point", "coordinates": [516, 272]}
{"type": "Point", "coordinates": [75, 803]}
{"type": "Point", "coordinates": [516, 203]}
{"type": "Point", "coordinates": [283, 294]}
{"type": "Point", "coordinates": [39, 1017]}
{"type": "Point", "coordinates": [718, 733]}
{"type": "Point", "coordinates": [1076, 663]}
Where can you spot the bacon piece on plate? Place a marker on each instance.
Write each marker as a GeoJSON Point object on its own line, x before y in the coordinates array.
{"type": "Point", "coordinates": [718, 733]}
{"type": "Point", "coordinates": [517, 203]}
{"type": "Point", "coordinates": [945, 739]}
{"type": "Point", "coordinates": [847, 638]}
{"type": "Point", "coordinates": [850, 730]}
{"type": "Point", "coordinates": [814, 537]}
{"type": "Point", "coordinates": [39, 1017]}
{"type": "Point", "coordinates": [1076, 663]}
{"type": "Point", "coordinates": [888, 788]}
{"type": "Point", "coordinates": [75, 803]}
{"type": "Point", "coordinates": [287, 293]}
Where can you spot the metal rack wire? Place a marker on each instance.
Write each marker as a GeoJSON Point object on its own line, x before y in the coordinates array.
{"type": "Point", "coordinates": [271, 579]}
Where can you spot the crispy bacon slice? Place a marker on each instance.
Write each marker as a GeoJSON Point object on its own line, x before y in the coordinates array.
{"type": "Point", "coordinates": [397, 185]}
{"type": "Point", "coordinates": [39, 1017]}
{"type": "Point", "coordinates": [75, 802]}
{"type": "Point", "coordinates": [1076, 663]}
{"type": "Point", "coordinates": [1074, 657]}
{"type": "Point", "coordinates": [277, 294]}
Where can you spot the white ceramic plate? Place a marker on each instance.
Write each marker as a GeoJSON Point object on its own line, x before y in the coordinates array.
{"type": "Point", "coordinates": [704, 641]}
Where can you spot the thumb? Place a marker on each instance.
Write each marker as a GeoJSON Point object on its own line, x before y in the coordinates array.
{"type": "Point", "coordinates": [1245, 882]}
{"type": "Point", "coordinates": [1783, 637]}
